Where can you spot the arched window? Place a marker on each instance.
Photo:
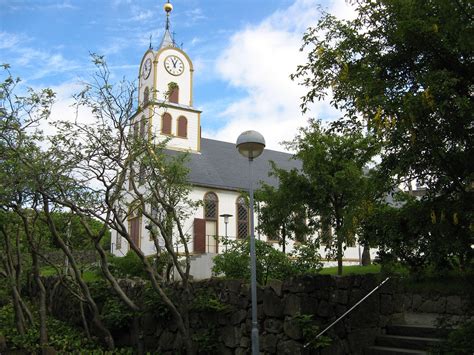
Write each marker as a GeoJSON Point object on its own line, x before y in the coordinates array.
{"type": "Point", "coordinates": [173, 92]}
{"type": "Point", "coordinates": [211, 204]}
{"type": "Point", "coordinates": [143, 127]}
{"type": "Point", "coordinates": [242, 213]}
{"type": "Point", "coordinates": [166, 123]}
{"type": "Point", "coordinates": [134, 226]}
{"type": "Point", "coordinates": [146, 96]}
{"type": "Point", "coordinates": [211, 213]}
{"type": "Point", "coordinates": [182, 127]}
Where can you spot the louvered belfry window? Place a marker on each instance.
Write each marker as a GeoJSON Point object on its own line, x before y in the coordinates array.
{"type": "Point", "coordinates": [210, 206]}
{"type": "Point", "coordinates": [242, 218]}
{"type": "Point", "coordinates": [166, 123]}
{"type": "Point", "coordinates": [182, 127]}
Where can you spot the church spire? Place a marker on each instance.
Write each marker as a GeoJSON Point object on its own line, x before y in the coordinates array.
{"type": "Point", "coordinates": [167, 40]}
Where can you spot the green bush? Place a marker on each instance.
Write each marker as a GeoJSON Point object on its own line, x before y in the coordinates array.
{"type": "Point", "coordinates": [459, 342]}
{"type": "Point", "coordinates": [62, 337]}
{"type": "Point", "coordinates": [271, 263]}
{"type": "Point", "coordinates": [421, 234]}
{"type": "Point", "coordinates": [306, 258]}
{"type": "Point", "coordinates": [130, 265]}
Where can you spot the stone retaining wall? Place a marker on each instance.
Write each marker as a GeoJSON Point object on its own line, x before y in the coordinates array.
{"type": "Point", "coordinates": [223, 325]}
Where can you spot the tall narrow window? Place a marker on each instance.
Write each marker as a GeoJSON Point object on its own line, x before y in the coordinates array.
{"type": "Point", "coordinates": [173, 92]}
{"type": "Point", "coordinates": [134, 224]}
{"type": "Point", "coordinates": [166, 123]}
{"type": "Point", "coordinates": [143, 127]}
{"type": "Point", "coordinates": [211, 211]}
{"type": "Point", "coordinates": [135, 129]}
{"type": "Point", "coordinates": [242, 212]}
{"type": "Point", "coordinates": [210, 206]}
{"type": "Point", "coordinates": [146, 96]}
{"type": "Point", "coordinates": [182, 127]}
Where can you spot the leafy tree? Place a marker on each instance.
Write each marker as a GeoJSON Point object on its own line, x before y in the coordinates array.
{"type": "Point", "coordinates": [20, 117]}
{"type": "Point", "coordinates": [403, 69]}
{"type": "Point", "coordinates": [332, 183]}
{"type": "Point", "coordinates": [132, 174]}
{"type": "Point", "coordinates": [281, 215]}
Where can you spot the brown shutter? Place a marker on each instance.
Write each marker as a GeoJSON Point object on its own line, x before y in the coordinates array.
{"type": "Point", "coordinates": [166, 124]}
{"type": "Point", "coordinates": [135, 231]}
{"type": "Point", "coordinates": [174, 95]}
{"type": "Point", "coordinates": [182, 127]}
{"type": "Point", "coordinates": [143, 127]}
{"type": "Point", "coordinates": [199, 235]}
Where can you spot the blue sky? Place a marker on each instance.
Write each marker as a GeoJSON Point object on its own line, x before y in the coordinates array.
{"type": "Point", "coordinates": [243, 52]}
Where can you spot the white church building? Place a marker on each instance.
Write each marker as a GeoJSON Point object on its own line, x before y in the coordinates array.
{"type": "Point", "coordinates": [217, 172]}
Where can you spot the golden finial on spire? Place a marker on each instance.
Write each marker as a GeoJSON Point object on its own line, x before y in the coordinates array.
{"type": "Point", "coordinates": [168, 7]}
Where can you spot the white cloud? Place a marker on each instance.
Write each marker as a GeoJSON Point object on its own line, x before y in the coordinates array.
{"type": "Point", "coordinates": [9, 40]}
{"type": "Point", "coordinates": [259, 60]}
{"type": "Point", "coordinates": [63, 109]}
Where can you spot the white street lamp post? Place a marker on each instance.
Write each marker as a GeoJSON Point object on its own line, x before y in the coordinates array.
{"type": "Point", "coordinates": [250, 144]}
{"type": "Point", "coordinates": [226, 221]}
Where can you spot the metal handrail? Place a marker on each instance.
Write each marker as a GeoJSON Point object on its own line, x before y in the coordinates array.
{"type": "Point", "coordinates": [348, 311]}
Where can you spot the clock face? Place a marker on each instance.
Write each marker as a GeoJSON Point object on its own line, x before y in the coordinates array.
{"type": "Point", "coordinates": [174, 65]}
{"type": "Point", "coordinates": [146, 70]}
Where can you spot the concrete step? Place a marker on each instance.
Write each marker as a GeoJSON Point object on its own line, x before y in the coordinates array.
{"type": "Point", "coordinates": [427, 319]}
{"type": "Point", "coordinates": [422, 331]}
{"type": "Point", "coordinates": [382, 350]}
{"type": "Point", "coordinates": [407, 342]}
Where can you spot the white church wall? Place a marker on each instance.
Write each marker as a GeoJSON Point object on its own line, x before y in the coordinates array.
{"type": "Point", "coordinates": [192, 139]}
{"type": "Point", "coordinates": [227, 205]}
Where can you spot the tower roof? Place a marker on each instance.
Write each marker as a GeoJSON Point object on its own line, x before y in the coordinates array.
{"type": "Point", "coordinates": [167, 40]}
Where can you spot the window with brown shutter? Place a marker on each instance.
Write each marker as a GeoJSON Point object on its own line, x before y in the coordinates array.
{"type": "Point", "coordinates": [135, 230]}
{"type": "Point", "coordinates": [143, 127]}
{"type": "Point", "coordinates": [199, 235]}
{"type": "Point", "coordinates": [182, 127]}
{"type": "Point", "coordinates": [166, 123]}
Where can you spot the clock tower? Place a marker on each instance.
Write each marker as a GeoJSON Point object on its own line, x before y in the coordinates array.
{"type": "Point", "coordinates": [165, 94]}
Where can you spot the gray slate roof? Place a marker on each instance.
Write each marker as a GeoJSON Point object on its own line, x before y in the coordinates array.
{"type": "Point", "coordinates": [221, 166]}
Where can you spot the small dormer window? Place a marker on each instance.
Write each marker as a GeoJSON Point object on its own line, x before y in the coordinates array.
{"type": "Point", "coordinates": [173, 92]}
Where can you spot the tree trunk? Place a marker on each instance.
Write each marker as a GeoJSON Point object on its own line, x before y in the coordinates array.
{"type": "Point", "coordinates": [339, 255]}
{"type": "Point", "coordinates": [283, 235]}
{"type": "Point", "coordinates": [96, 320]}
{"type": "Point", "coordinates": [366, 256]}
{"type": "Point", "coordinates": [42, 302]}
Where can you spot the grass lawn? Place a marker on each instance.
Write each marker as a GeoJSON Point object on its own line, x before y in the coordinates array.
{"type": "Point", "coordinates": [352, 269]}
{"type": "Point", "coordinates": [89, 276]}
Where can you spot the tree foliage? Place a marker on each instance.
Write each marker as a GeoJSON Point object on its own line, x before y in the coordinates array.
{"type": "Point", "coordinates": [332, 186]}
{"type": "Point", "coordinates": [405, 70]}
{"type": "Point", "coordinates": [281, 214]}
{"type": "Point", "coordinates": [271, 263]}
